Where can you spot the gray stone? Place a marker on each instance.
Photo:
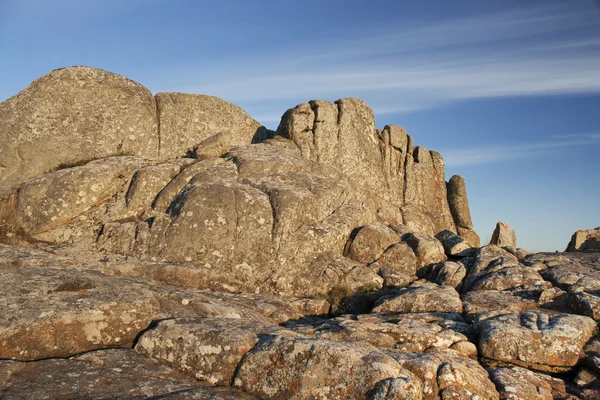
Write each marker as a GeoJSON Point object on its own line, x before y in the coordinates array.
{"type": "Point", "coordinates": [504, 235]}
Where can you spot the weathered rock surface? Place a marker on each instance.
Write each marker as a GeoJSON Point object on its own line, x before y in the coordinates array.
{"type": "Point", "coordinates": [504, 236]}
{"type": "Point", "coordinates": [420, 297]}
{"type": "Point", "coordinates": [370, 242]}
{"type": "Point", "coordinates": [186, 120]}
{"type": "Point", "coordinates": [447, 377]}
{"type": "Point", "coordinates": [516, 383]}
{"type": "Point", "coordinates": [208, 348]}
{"type": "Point", "coordinates": [585, 240]}
{"type": "Point", "coordinates": [283, 368]}
{"type": "Point", "coordinates": [104, 374]}
{"type": "Point", "coordinates": [58, 313]}
{"type": "Point", "coordinates": [449, 273]}
{"type": "Point", "coordinates": [427, 249]}
{"type": "Point", "coordinates": [71, 115]}
{"type": "Point", "coordinates": [496, 269]}
{"type": "Point", "coordinates": [435, 333]}
{"type": "Point", "coordinates": [397, 265]}
{"type": "Point", "coordinates": [535, 339]}
{"type": "Point", "coordinates": [322, 261]}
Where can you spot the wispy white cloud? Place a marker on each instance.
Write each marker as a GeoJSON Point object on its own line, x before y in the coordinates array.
{"type": "Point", "coordinates": [470, 156]}
{"type": "Point", "coordinates": [549, 49]}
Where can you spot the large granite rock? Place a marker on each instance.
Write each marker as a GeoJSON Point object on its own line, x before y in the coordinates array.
{"type": "Point", "coordinates": [283, 368]}
{"type": "Point", "coordinates": [496, 269]}
{"type": "Point", "coordinates": [535, 339]}
{"type": "Point", "coordinates": [72, 115]}
{"type": "Point", "coordinates": [459, 207]}
{"type": "Point", "coordinates": [446, 376]}
{"type": "Point", "coordinates": [420, 297]}
{"type": "Point", "coordinates": [208, 348]}
{"type": "Point", "coordinates": [187, 120]}
{"type": "Point", "coordinates": [59, 313]}
{"type": "Point", "coordinates": [583, 240]}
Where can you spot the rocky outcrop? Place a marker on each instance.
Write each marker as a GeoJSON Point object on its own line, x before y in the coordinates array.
{"type": "Point", "coordinates": [588, 240]}
{"type": "Point", "coordinates": [73, 115]}
{"type": "Point", "coordinates": [328, 260]}
{"type": "Point", "coordinates": [187, 120]}
{"type": "Point", "coordinates": [504, 236]}
{"type": "Point", "coordinates": [343, 135]}
{"type": "Point", "coordinates": [459, 207]}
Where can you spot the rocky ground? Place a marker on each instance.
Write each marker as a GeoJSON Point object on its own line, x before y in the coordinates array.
{"type": "Point", "coordinates": [174, 248]}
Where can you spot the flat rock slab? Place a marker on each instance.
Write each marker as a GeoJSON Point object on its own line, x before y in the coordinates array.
{"type": "Point", "coordinates": [535, 339]}
{"type": "Point", "coordinates": [57, 313]}
{"type": "Point", "coordinates": [447, 377]}
{"type": "Point", "coordinates": [284, 368]}
{"type": "Point", "coordinates": [420, 297]}
{"type": "Point", "coordinates": [411, 334]}
{"type": "Point", "coordinates": [208, 348]}
{"type": "Point", "coordinates": [516, 383]}
{"type": "Point", "coordinates": [578, 274]}
{"type": "Point", "coordinates": [492, 300]}
{"type": "Point", "coordinates": [496, 269]}
{"type": "Point", "coordinates": [111, 374]}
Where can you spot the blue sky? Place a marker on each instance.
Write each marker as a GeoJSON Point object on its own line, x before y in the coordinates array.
{"type": "Point", "coordinates": [507, 91]}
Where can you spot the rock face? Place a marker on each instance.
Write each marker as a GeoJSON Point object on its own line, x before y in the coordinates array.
{"type": "Point", "coordinates": [585, 240]}
{"type": "Point", "coordinates": [77, 114]}
{"type": "Point", "coordinates": [71, 115]}
{"type": "Point", "coordinates": [504, 236]}
{"type": "Point", "coordinates": [190, 253]}
{"type": "Point", "coordinates": [459, 207]}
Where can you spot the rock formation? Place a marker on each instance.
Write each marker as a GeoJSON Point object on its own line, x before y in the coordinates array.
{"type": "Point", "coordinates": [504, 236]}
{"type": "Point", "coordinates": [585, 240]}
{"type": "Point", "coordinates": [170, 246]}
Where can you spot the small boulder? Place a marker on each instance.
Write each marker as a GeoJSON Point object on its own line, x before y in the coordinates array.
{"type": "Point", "coordinates": [420, 297]}
{"type": "Point", "coordinates": [213, 147]}
{"type": "Point", "coordinates": [397, 265]}
{"type": "Point", "coordinates": [427, 249]}
{"type": "Point", "coordinates": [370, 242]}
{"type": "Point", "coordinates": [504, 235]}
{"type": "Point", "coordinates": [449, 273]}
{"type": "Point", "coordinates": [454, 245]}
{"type": "Point", "coordinates": [535, 339]}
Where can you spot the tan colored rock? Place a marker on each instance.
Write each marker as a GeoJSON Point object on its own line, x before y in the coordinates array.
{"type": "Point", "coordinates": [585, 240]}
{"type": "Point", "coordinates": [105, 374]}
{"type": "Point", "coordinates": [57, 198]}
{"type": "Point", "coordinates": [188, 119]}
{"type": "Point", "coordinates": [397, 265]}
{"type": "Point", "coordinates": [496, 269]}
{"type": "Point", "coordinates": [213, 147]}
{"type": "Point", "coordinates": [459, 203]}
{"type": "Point", "coordinates": [72, 115]}
{"type": "Point", "coordinates": [147, 182]}
{"type": "Point", "coordinates": [58, 313]}
{"type": "Point", "coordinates": [469, 235]}
{"type": "Point", "coordinates": [449, 273]}
{"type": "Point", "coordinates": [420, 297]}
{"type": "Point", "coordinates": [283, 368]}
{"type": "Point", "coordinates": [504, 235]}
{"type": "Point", "coordinates": [536, 339]}
{"type": "Point", "coordinates": [417, 219]}
{"type": "Point", "coordinates": [370, 242]}
{"type": "Point", "coordinates": [398, 389]}
{"type": "Point", "coordinates": [454, 245]}
{"type": "Point", "coordinates": [516, 383]}
{"type": "Point", "coordinates": [208, 348]}
{"type": "Point", "coordinates": [446, 376]}
{"type": "Point", "coordinates": [482, 301]}
{"type": "Point", "coordinates": [415, 333]}
{"type": "Point", "coordinates": [427, 249]}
